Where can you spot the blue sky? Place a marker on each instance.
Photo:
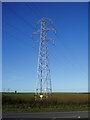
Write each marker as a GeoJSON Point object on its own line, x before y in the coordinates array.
{"type": "Point", "coordinates": [68, 58]}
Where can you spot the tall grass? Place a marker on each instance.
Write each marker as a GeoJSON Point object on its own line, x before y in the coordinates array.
{"type": "Point", "coordinates": [57, 98]}
{"type": "Point", "coordinates": [58, 102]}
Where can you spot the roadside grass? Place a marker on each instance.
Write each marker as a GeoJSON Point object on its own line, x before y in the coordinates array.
{"type": "Point", "coordinates": [25, 102]}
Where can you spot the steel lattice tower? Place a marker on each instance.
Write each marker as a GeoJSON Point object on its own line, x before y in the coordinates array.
{"type": "Point", "coordinates": [43, 83]}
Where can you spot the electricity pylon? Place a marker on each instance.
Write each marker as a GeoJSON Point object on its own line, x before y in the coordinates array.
{"type": "Point", "coordinates": [43, 83]}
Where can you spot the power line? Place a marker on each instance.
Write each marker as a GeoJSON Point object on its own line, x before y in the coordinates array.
{"type": "Point", "coordinates": [32, 10]}
{"type": "Point", "coordinates": [58, 38]}
{"type": "Point", "coordinates": [19, 16]}
{"type": "Point", "coordinates": [17, 29]}
{"type": "Point", "coordinates": [15, 38]}
{"type": "Point", "coordinates": [63, 44]}
{"type": "Point", "coordinates": [71, 55]}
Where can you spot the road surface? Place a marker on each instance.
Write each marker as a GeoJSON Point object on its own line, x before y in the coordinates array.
{"type": "Point", "coordinates": [48, 115]}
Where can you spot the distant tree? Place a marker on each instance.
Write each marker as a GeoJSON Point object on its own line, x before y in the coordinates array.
{"type": "Point", "coordinates": [15, 91]}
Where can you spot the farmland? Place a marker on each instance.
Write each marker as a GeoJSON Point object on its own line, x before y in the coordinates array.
{"type": "Point", "coordinates": [24, 102]}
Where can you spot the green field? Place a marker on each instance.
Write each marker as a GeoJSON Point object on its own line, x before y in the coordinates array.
{"type": "Point", "coordinates": [24, 102]}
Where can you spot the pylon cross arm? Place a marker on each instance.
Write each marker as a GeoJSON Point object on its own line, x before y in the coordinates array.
{"type": "Point", "coordinates": [34, 33]}
{"type": "Point", "coordinates": [51, 29]}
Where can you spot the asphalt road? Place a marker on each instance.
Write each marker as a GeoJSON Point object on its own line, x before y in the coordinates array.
{"type": "Point", "coordinates": [52, 115]}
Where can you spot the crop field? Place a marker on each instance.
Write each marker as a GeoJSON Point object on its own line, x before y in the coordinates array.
{"type": "Point", "coordinates": [25, 102]}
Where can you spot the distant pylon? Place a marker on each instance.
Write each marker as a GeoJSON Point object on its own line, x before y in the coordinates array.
{"type": "Point", "coordinates": [43, 83]}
